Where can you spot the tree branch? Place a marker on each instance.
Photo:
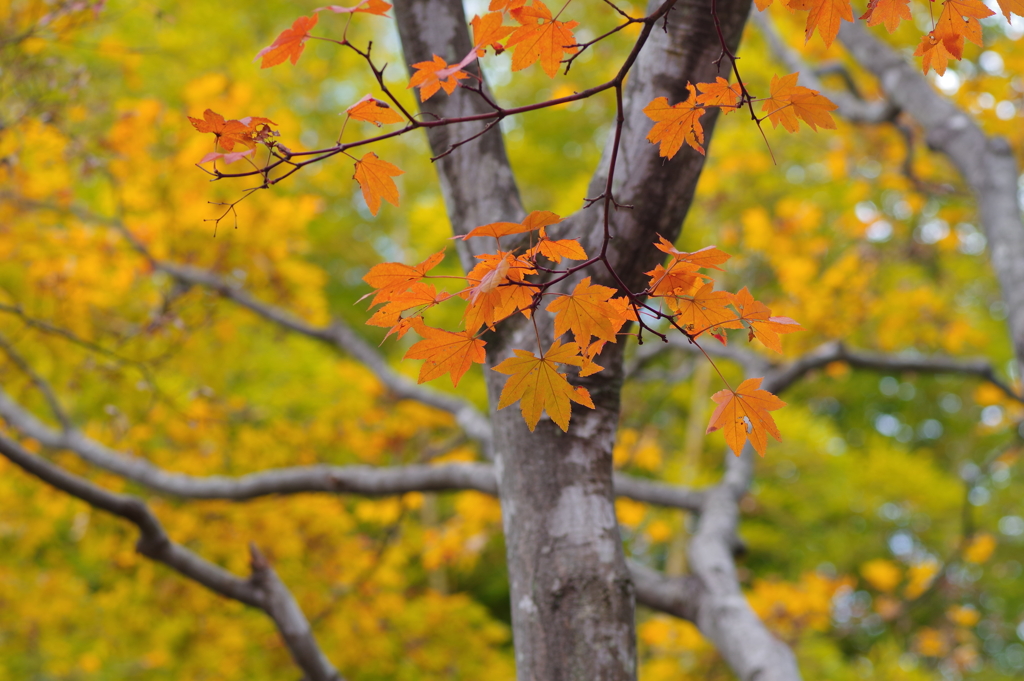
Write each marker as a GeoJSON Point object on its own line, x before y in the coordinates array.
{"type": "Point", "coordinates": [986, 164]}
{"type": "Point", "coordinates": [263, 590]}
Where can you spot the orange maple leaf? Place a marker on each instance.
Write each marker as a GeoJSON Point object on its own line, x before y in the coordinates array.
{"type": "Point", "coordinates": [378, 7]}
{"type": "Point", "coordinates": [824, 15]}
{"type": "Point", "coordinates": [763, 326]}
{"type": "Point", "coordinates": [1011, 6]}
{"type": "Point", "coordinates": [935, 53]}
{"type": "Point", "coordinates": [488, 31]}
{"type": "Point", "coordinates": [446, 352]}
{"type": "Point", "coordinates": [888, 12]}
{"type": "Point", "coordinates": [960, 18]}
{"type": "Point", "coordinates": [705, 310]}
{"type": "Point", "coordinates": [762, 5]}
{"type": "Point", "coordinates": [374, 111]}
{"type": "Point", "coordinates": [392, 278]}
{"type": "Point", "coordinates": [556, 249]}
{"type": "Point", "coordinates": [708, 257]}
{"type": "Point", "coordinates": [678, 279]}
{"type": "Point", "coordinates": [417, 295]}
{"type": "Point", "coordinates": [744, 415]}
{"type": "Point", "coordinates": [432, 76]}
{"type": "Point", "coordinates": [374, 178]}
{"type": "Point", "coordinates": [538, 219]}
{"type": "Point", "coordinates": [790, 103]}
{"type": "Point", "coordinates": [496, 290]}
{"type": "Point", "coordinates": [586, 312]}
{"type": "Point", "coordinates": [541, 37]}
{"type": "Point", "coordinates": [720, 94]}
{"type": "Point", "coordinates": [505, 5]}
{"type": "Point", "coordinates": [536, 384]}
{"type": "Point", "coordinates": [290, 44]}
{"type": "Point", "coordinates": [228, 133]}
{"type": "Point", "coordinates": [676, 124]}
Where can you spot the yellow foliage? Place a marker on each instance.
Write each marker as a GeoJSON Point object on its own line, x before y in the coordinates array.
{"type": "Point", "coordinates": [791, 609]}
{"type": "Point", "coordinates": [920, 577]}
{"type": "Point", "coordinates": [963, 615]}
{"type": "Point", "coordinates": [981, 547]}
{"type": "Point", "coordinates": [630, 513]}
{"type": "Point", "coordinates": [931, 642]}
{"type": "Point", "coordinates": [882, 574]}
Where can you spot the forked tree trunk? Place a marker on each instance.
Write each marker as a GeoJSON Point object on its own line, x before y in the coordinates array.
{"type": "Point", "coordinates": [572, 597]}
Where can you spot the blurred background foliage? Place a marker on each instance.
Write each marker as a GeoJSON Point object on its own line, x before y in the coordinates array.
{"type": "Point", "coordinates": [884, 535]}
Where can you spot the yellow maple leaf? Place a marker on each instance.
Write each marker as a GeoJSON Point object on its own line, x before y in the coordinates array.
{"type": "Point", "coordinates": [374, 178]}
{"type": "Point", "coordinates": [676, 124]}
{"type": "Point", "coordinates": [535, 383]}
{"type": "Point", "coordinates": [743, 414]}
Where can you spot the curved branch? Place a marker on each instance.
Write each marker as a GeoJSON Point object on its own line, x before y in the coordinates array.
{"type": "Point", "coordinates": [263, 590]}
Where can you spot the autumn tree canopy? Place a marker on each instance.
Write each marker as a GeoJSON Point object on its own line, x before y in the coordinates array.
{"type": "Point", "coordinates": [251, 265]}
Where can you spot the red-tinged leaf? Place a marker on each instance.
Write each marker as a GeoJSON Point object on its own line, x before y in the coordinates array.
{"type": "Point", "coordinates": [228, 133]}
{"type": "Point", "coordinates": [535, 220]}
{"type": "Point", "coordinates": [446, 352]}
{"type": "Point", "coordinates": [743, 415]}
{"type": "Point", "coordinates": [374, 178]}
{"type": "Point", "coordinates": [676, 124]}
{"type": "Point", "coordinates": [537, 385]}
{"type": "Point", "coordinates": [705, 310]}
{"type": "Point", "coordinates": [936, 53]}
{"type": "Point", "coordinates": [888, 12]}
{"type": "Point", "coordinates": [586, 312]}
{"type": "Point", "coordinates": [378, 7]}
{"type": "Point", "coordinates": [556, 249]}
{"type": "Point", "coordinates": [488, 31]}
{"type": "Point", "coordinates": [960, 18]}
{"type": "Point", "coordinates": [790, 103]}
{"type": "Point", "coordinates": [708, 257]}
{"type": "Point", "coordinates": [1011, 7]}
{"type": "Point", "coordinates": [824, 15]}
{"type": "Point", "coordinates": [374, 111]}
{"type": "Point", "coordinates": [720, 94]}
{"type": "Point", "coordinates": [290, 44]}
{"type": "Point", "coordinates": [227, 158]}
{"type": "Point", "coordinates": [678, 279]}
{"type": "Point", "coordinates": [432, 76]}
{"type": "Point", "coordinates": [540, 37]}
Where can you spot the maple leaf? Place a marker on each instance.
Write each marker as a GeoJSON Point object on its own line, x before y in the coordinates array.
{"type": "Point", "coordinates": [762, 5]}
{"type": "Point", "coordinates": [790, 103]}
{"type": "Point", "coordinates": [763, 326]}
{"type": "Point", "coordinates": [888, 12]}
{"type": "Point", "coordinates": [541, 37]}
{"type": "Point", "coordinates": [378, 7]}
{"type": "Point", "coordinates": [704, 310]}
{"type": "Point", "coordinates": [824, 15]}
{"type": "Point", "coordinates": [496, 291]}
{"type": "Point", "coordinates": [536, 384]}
{"type": "Point", "coordinates": [676, 124]}
{"type": "Point", "coordinates": [935, 53]}
{"type": "Point", "coordinates": [374, 111]}
{"type": "Point", "coordinates": [505, 5]}
{"type": "Point", "coordinates": [488, 31]}
{"type": "Point", "coordinates": [720, 94]}
{"type": "Point", "coordinates": [432, 76]}
{"type": "Point", "coordinates": [960, 18]}
{"type": "Point", "coordinates": [708, 257]}
{"type": "Point", "coordinates": [556, 249]}
{"type": "Point", "coordinates": [445, 352]}
{"type": "Point", "coordinates": [417, 295]}
{"type": "Point", "coordinates": [744, 415]}
{"type": "Point", "coordinates": [392, 278]}
{"type": "Point", "coordinates": [538, 219]}
{"type": "Point", "coordinates": [586, 312]}
{"type": "Point", "coordinates": [288, 45]}
{"type": "Point", "coordinates": [228, 133]}
{"type": "Point", "coordinates": [374, 178]}
{"type": "Point", "coordinates": [1011, 6]}
{"type": "Point", "coordinates": [678, 279]}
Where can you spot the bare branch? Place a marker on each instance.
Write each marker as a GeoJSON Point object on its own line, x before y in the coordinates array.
{"type": "Point", "coordinates": [264, 590]}
{"type": "Point", "coordinates": [782, 377]}
{"type": "Point", "coordinates": [678, 596]}
{"type": "Point", "coordinates": [37, 381]}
